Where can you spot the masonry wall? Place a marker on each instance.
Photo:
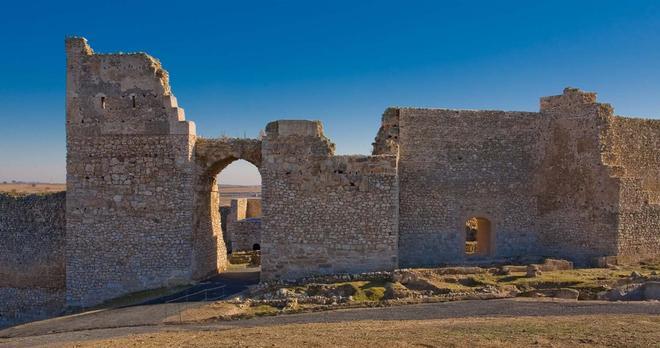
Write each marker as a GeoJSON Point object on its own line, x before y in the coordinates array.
{"type": "Point", "coordinates": [458, 164]}
{"type": "Point", "coordinates": [324, 213]}
{"type": "Point", "coordinates": [578, 193]}
{"type": "Point", "coordinates": [635, 147]}
{"type": "Point", "coordinates": [224, 215]}
{"type": "Point", "coordinates": [130, 178]}
{"type": "Point", "coordinates": [32, 276]}
{"type": "Point", "coordinates": [245, 234]}
{"type": "Point", "coordinates": [253, 208]}
{"type": "Point", "coordinates": [244, 224]}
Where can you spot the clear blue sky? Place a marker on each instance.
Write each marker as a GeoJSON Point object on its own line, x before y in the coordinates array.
{"type": "Point", "coordinates": [235, 65]}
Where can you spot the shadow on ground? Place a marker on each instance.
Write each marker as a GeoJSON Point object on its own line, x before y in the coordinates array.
{"type": "Point", "coordinates": [219, 287]}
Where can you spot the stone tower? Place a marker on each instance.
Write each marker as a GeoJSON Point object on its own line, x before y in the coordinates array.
{"type": "Point", "coordinates": [130, 178]}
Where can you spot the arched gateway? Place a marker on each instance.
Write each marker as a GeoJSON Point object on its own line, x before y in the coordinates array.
{"type": "Point", "coordinates": [211, 156]}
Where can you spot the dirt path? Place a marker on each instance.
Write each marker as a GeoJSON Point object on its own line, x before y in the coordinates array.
{"type": "Point", "coordinates": [115, 324]}
{"type": "Point", "coordinates": [553, 331]}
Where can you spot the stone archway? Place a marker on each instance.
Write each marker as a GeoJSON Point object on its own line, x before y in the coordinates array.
{"type": "Point", "coordinates": [211, 157]}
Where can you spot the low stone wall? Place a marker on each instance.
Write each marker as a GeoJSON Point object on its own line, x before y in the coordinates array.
{"type": "Point", "coordinates": [245, 234]}
{"type": "Point", "coordinates": [32, 275]}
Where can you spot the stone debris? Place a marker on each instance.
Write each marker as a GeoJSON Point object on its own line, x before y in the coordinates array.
{"type": "Point", "coordinates": [533, 271]}
{"type": "Point", "coordinates": [563, 293]}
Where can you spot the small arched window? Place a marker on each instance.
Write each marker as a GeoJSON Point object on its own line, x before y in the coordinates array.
{"type": "Point", "coordinates": [133, 99]}
{"type": "Point", "coordinates": [478, 236]}
{"type": "Point", "coordinates": [102, 102]}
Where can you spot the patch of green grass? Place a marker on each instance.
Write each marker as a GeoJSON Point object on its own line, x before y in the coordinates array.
{"type": "Point", "coordinates": [370, 291]}
{"type": "Point", "coordinates": [364, 290]}
{"type": "Point", "coordinates": [480, 280]}
{"type": "Point", "coordinates": [371, 294]}
{"type": "Point", "coordinates": [575, 278]}
{"type": "Point", "coordinates": [263, 310]}
{"type": "Point", "coordinates": [550, 280]}
{"type": "Point", "coordinates": [452, 286]}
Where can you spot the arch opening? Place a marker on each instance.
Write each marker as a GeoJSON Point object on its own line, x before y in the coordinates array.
{"type": "Point", "coordinates": [478, 237]}
{"type": "Point", "coordinates": [227, 171]}
{"type": "Point", "coordinates": [238, 187]}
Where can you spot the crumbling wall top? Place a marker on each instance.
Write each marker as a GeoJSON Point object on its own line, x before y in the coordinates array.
{"type": "Point", "coordinates": [387, 139]}
{"type": "Point", "coordinates": [110, 94]}
{"type": "Point", "coordinates": [569, 98]}
{"type": "Point", "coordinates": [77, 45]}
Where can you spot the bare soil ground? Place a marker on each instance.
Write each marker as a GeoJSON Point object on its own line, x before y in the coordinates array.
{"type": "Point", "coordinates": [494, 323]}
{"type": "Point", "coordinates": [584, 331]}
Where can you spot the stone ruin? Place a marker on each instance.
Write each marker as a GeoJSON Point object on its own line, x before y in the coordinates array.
{"type": "Point", "coordinates": [571, 181]}
{"type": "Point", "coordinates": [243, 227]}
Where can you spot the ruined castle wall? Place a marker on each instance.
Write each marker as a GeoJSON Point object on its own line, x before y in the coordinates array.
{"type": "Point", "coordinates": [637, 142]}
{"type": "Point", "coordinates": [636, 145]}
{"type": "Point", "coordinates": [224, 215]}
{"type": "Point", "coordinates": [245, 234]}
{"type": "Point", "coordinates": [458, 164]}
{"type": "Point", "coordinates": [243, 226]}
{"type": "Point", "coordinates": [253, 208]}
{"type": "Point", "coordinates": [238, 209]}
{"type": "Point", "coordinates": [324, 213]}
{"type": "Point", "coordinates": [578, 193]}
{"type": "Point", "coordinates": [130, 177]}
{"type": "Point", "coordinates": [32, 232]}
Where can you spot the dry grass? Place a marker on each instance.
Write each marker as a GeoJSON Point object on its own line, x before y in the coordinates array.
{"type": "Point", "coordinates": [227, 192]}
{"type": "Point", "coordinates": [559, 331]}
{"type": "Point", "coordinates": [32, 188]}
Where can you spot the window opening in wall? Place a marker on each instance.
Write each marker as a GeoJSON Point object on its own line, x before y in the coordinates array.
{"type": "Point", "coordinates": [133, 98]}
{"type": "Point", "coordinates": [103, 102]}
{"type": "Point", "coordinates": [477, 236]}
{"type": "Point", "coordinates": [256, 247]}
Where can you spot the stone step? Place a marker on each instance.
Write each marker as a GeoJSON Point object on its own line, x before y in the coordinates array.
{"type": "Point", "coordinates": [177, 113]}
{"type": "Point", "coordinates": [170, 101]}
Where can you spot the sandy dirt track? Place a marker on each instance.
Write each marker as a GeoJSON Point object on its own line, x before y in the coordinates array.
{"type": "Point", "coordinates": [498, 318]}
